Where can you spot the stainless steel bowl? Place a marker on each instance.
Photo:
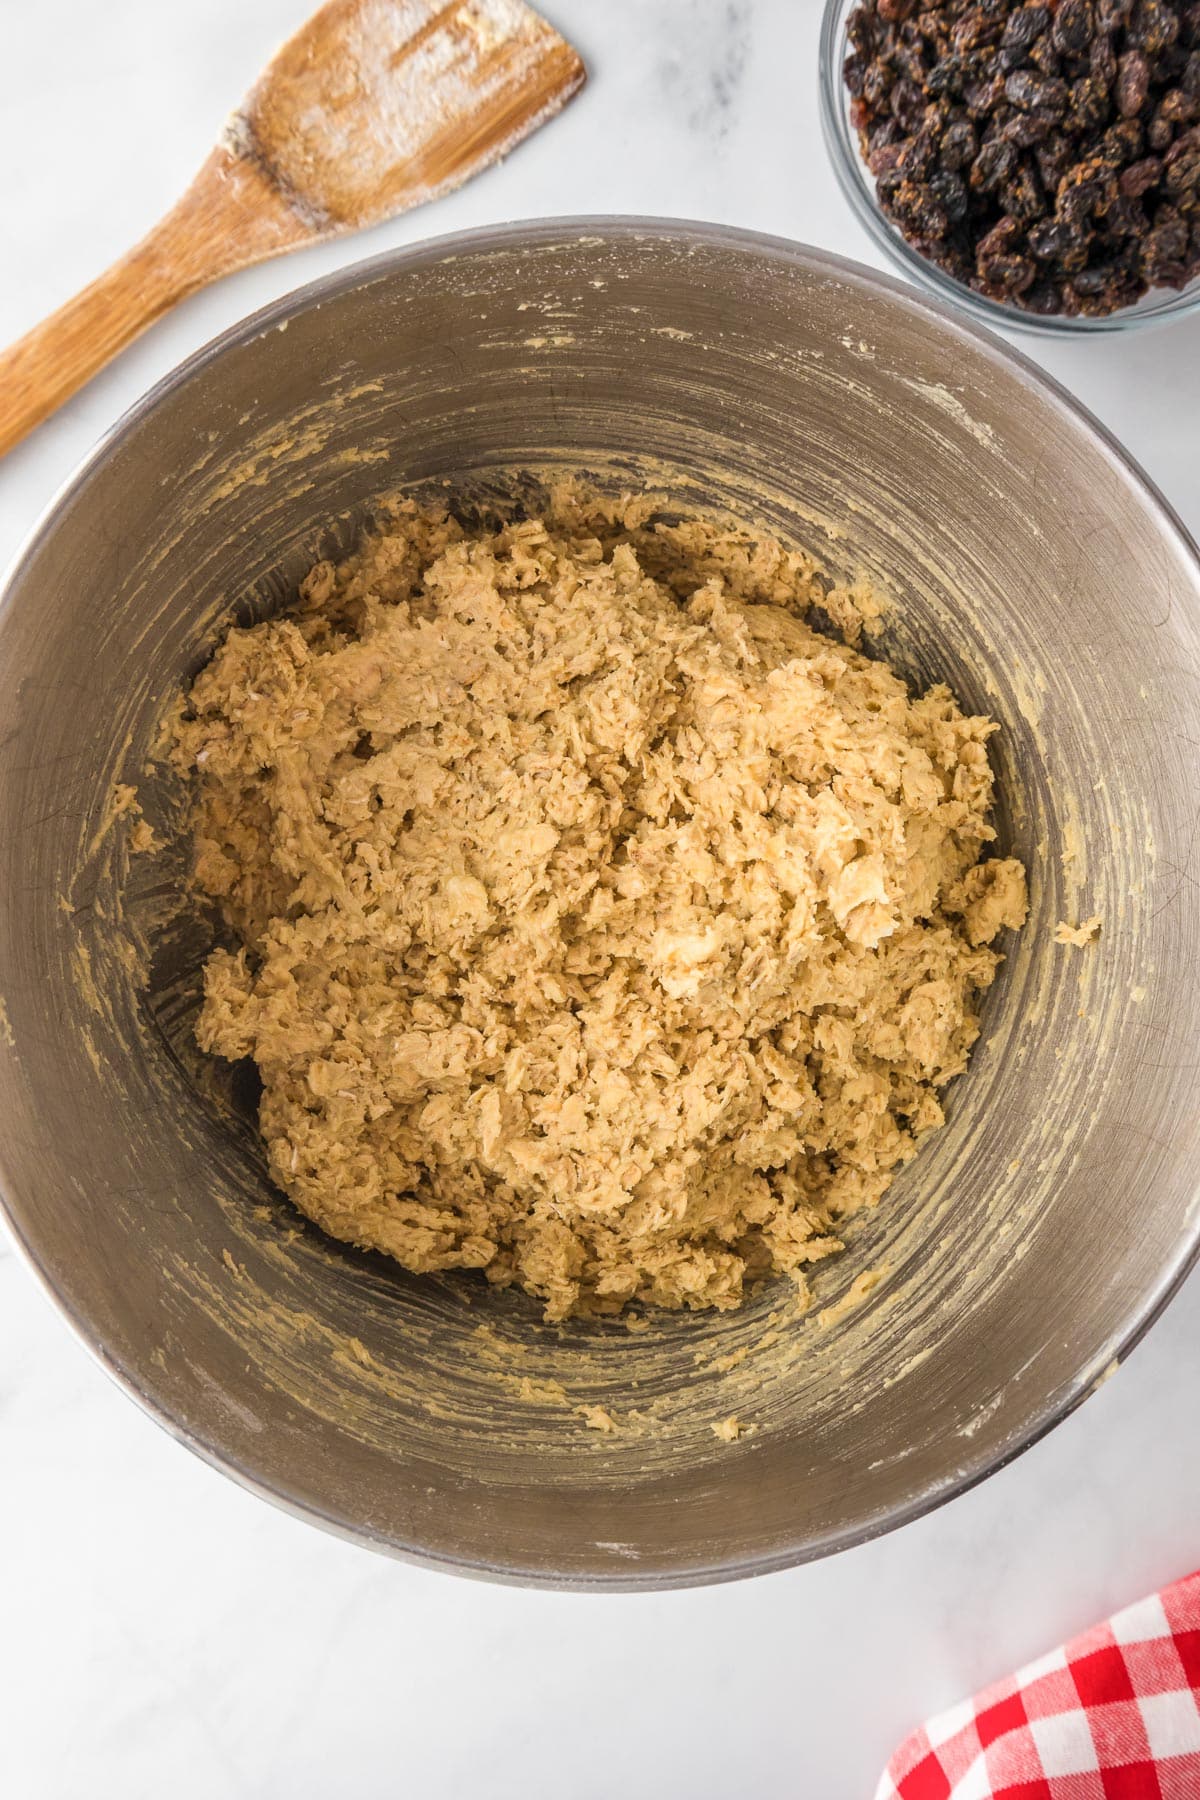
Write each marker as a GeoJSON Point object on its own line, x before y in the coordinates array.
{"type": "Point", "coordinates": [1034, 1238]}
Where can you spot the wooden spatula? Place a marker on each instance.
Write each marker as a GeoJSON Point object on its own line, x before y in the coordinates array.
{"type": "Point", "coordinates": [373, 107]}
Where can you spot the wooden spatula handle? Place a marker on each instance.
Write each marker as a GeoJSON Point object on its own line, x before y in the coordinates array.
{"type": "Point", "coordinates": [230, 217]}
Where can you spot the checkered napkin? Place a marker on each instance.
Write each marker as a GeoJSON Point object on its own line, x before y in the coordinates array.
{"type": "Point", "coordinates": [1113, 1715]}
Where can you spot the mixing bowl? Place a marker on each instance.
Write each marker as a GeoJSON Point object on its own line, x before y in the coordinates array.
{"type": "Point", "coordinates": [1032, 1240]}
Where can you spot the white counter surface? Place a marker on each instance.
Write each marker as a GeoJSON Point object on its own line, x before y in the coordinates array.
{"type": "Point", "coordinates": [164, 1633]}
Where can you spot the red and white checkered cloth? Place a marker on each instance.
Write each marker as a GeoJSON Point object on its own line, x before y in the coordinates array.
{"type": "Point", "coordinates": [1113, 1715]}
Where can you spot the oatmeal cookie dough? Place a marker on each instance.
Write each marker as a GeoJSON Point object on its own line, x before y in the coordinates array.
{"type": "Point", "coordinates": [1081, 935]}
{"type": "Point", "coordinates": [601, 925]}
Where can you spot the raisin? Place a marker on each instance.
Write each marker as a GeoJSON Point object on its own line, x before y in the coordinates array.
{"type": "Point", "coordinates": [1123, 143]}
{"type": "Point", "coordinates": [1158, 268]}
{"type": "Point", "coordinates": [1091, 107]}
{"type": "Point", "coordinates": [994, 164]}
{"type": "Point", "coordinates": [1133, 84]}
{"type": "Point", "coordinates": [982, 96]}
{"type": "Point", "coordinates": [1039, 94]}
{"type": "Point", "coordinates": [960, 145]}
{"type": "Point", "coordinates": [1079, 196]}
{"type": "Point", "coordinates": [908, 105]}
{"type": "Point", "coordinates": [1102, 63]}
{"type": "Point", "coordinates": [1166, 243]}
{"type": "Point", "coordinates": [951, 256]}
{"type": "Point", "coordinates": [1178, 107]}
{"type": "Point", "coordinates": [1140, 177]}
{"type": "Point", "coordinates": [1182, 174]}
{"type": "Point", "coordinates": [876, 85]}
{"type": "Point", "coordinates": [1010, 275]}
{"type": "Point", "coordinates": [1074, 27]}
{"type": "Point", "coordinates": [860, 30]}
{"type": "Point", "coordinates": [884, 160]}
{"type": "Point", "coordinates": [1054, 240]}
{"type": "Point", "coordinates": [1114, 295]}
{"type": "Point", "coordinates": [888, 186]}
{"type": "Point", "coordinates": [927, 218]}
{"type": "Point", "coordinates": [950, 192]}
{"type": "Point", "coordinates": [1154, 27]}
{"type": "Point", "coordinates": [946, 77]}
{"type": "Point", "coordinates": [1045, 57]}
{"type": "Point", "coordinates": [1053, 160]}
{"type": "Point", "coordinates": [1125, 218]}
{"type": "Point", "coordinates": [1095, 280]}
{"type": "Point", "coordinates": [908, 61]}
{"type": "Point", "coordinates": [975, 29]}
{"type": "Point", "coordinates": [1024, 26]}
{"type": "Point", "coordinates": [910, 202]}
{"type": "Point", "coordinates": [1024, 130]}
{"type": "Point", "coordinates": [1169, 67]}
{"type": "Point", "coordinates": [916, 159]}
{"type": "Point", "coordinates": [1043, 297]}
{"type": "Point", "coordinates": [1024, 197]}
{"type": "Point", "coordinates": [1004, 237]}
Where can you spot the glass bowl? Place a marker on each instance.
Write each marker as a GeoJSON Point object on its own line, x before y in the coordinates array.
{"type": "Point", "coordinates": [858, 185]}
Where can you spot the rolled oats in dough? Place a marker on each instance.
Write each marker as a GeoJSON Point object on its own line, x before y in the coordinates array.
{"type": "Point", "coordinates": [600, 924]}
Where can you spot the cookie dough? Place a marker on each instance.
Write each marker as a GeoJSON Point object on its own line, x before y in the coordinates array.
{"type": "Point", "coordinates": [1081, 935]}
{"type": "Point", "coordinates": [599, 924]}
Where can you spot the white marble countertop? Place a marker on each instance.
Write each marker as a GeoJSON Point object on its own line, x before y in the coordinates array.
{"type": "Point", "coordinates": [164, 1632]}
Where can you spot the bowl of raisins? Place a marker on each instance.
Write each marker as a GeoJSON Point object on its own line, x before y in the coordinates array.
{"type": "Point", "coordinates": [1037, 164]}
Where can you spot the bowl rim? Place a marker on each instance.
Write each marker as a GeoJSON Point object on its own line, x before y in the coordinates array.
{"type": "Point", "coordinates": [853, 178]}
{"type": "Point", "coordinates": [1142, 1313]}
